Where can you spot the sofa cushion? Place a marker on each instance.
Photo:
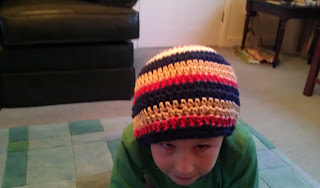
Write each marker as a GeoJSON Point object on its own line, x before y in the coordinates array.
{"type": "Point", "coordinates": [40, 58]}
{"type": "Point", "coordinates": [47, 22]}
{"type": "Point", "coordinates": [47, 88]}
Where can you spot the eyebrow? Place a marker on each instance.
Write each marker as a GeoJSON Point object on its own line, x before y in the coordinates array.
{"type": "Point", "coordinates": [208, 140]}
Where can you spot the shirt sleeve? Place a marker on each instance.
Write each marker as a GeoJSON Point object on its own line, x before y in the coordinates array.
{"type": "Point", "coordinates": [126, 172]}
{"type": "Point", "coordinates": [246, 173]}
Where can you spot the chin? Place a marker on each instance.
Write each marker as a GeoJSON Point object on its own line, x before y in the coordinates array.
{"type": "Point", "coordinates": [183, 182]}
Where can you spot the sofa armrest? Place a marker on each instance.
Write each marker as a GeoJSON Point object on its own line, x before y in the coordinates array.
{"type": "Point", "coordinates": [119, 3]}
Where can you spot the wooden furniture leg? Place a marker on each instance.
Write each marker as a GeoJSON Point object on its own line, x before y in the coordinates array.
{"type": "Point", "coordinates": [314, 71]}
{"type": "Point", "coordinates": [277, 36]}
{"type": "Point", "coordinates": [246, 24]}
{"type": "Point", "coordinates": [245, 30]}
{"type": "Point", "coordinates": [280, 34]}
{"type": "Point", "coordinates": [314, 42]}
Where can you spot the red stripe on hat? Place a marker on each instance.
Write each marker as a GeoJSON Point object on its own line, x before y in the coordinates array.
{"type": "Point", "coordinates": [183, 78]}
{"type": "Point", "coordinates": [174, 122]}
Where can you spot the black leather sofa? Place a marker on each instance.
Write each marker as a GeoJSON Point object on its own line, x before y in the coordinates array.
{"type": "Point", "coordinates": [66, 51]}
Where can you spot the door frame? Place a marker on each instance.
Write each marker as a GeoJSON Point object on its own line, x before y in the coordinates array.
{"type": "Point", "coordinates": [225, 23]}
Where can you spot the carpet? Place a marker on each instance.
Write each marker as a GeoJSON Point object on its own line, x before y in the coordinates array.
{"type": "Point", "coordinates": [80, 155]}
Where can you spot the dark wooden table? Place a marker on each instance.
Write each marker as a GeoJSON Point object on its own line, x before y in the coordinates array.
{"type": "Point", "coordinates": [284, 12]}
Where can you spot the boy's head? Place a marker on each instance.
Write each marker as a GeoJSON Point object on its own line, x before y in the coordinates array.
{"type": "Point", "coordinates": [186, 100]}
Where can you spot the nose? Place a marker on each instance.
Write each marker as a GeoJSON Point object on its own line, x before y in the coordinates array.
{"type": "Point", "coordinates": [184, 164]}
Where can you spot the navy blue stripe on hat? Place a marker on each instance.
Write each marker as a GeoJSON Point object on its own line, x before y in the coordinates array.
{"type": "Point", "coordinates": [200, 55]}
{"type": "Point", "coordinates": [185, 91]}
{"type": "Point", "coordinates": [204, 131]}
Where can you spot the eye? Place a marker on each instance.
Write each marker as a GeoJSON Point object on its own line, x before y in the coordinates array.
{"type": "Point", "coordinates": [167, 145]}
{"type": "Point", "coordinates": [202, 147]}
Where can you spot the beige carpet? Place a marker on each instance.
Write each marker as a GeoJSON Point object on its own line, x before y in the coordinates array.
{"type": "Point", "coordinates": [271, 102]}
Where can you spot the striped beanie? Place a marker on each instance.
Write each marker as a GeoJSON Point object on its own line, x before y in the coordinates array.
{"type": "Point", "coordinates": [183, 93]}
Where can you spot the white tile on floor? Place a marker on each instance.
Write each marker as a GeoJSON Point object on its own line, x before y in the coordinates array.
{"type": "Point", "coordinates": [113, 127]}
{"type": "Point", "coordinates": [49, 136]}
{"type": "Point", "coordinates": [117, 123]}
{"type": "Point", "coordinates": [282, 156]}
{"type": "Point", "coordinates": [282, 177]}
{"type": "Point", "coordinates": [50, 165]}
{"type": "Point", "coordinates": [267, 159]}
{"type": "Point", "coordinates": [61, 184]}
{"type": "Point", "coordinates": [262, 184]}
{"type": "Point", "coordinates": [112, 135]}
{"type": "Point", "coordinates": [48, 131]}
{"type": "Point", "coordinates": [92, 158]}
{"type": "Point", "coordinates": [259, 145]}
{"type": "Point", "coordinates": [86, 138]}
{"type": "Point", "coordinates": [305, 176]}
{"type": "Point", "coordinates": [50, 142]}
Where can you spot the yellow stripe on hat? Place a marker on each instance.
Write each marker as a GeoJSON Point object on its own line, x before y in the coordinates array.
{"type": "Point", "coordinates": [189, 67]}
{"type": "Point", "coordinates": [180, 49]}
{"type": "Point", "coordinates": [219, 108]}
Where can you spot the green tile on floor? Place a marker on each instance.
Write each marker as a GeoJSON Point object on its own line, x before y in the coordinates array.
{"type": "Point", "coordinates": [113, 146]}
{"type": "Point", "coordinates": [48, 131]}
{"type": "Point", "coordinates": [92, 158]}
{"type": "Point", "coordinates": [50, 165]}
{"type": "Point", "coordinates": [86, 138]}
{"type": "Point", "coordinates": [84, 127]}
{"type": "Point", "coordinates": [94, 181]}
{"type": "Point", "coordinates": [15, 170]}
{"type": "Point", "coordinates": [61, 184]}
{"type": "Point", "coordinates": [4, 140]}
{"type": "Point", "coordinates": [18, 146]}
{"type": "Point", "coordinates": [17, 134]}
{"type": "Point", "coordinates": [282, 177]}
{"type": "Point", "coordinates": [3, 158]}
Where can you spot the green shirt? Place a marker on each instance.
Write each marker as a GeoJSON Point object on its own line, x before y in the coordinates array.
{"type": "Point", "coordinates": [236, 165]}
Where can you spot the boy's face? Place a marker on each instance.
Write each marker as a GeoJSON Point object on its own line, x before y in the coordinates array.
{"type": "Point", "coordinates": [184, 161]}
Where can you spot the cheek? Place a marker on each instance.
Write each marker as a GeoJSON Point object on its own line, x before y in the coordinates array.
{"type": "Point", "coordinates": [163, 164]}
{"type": "Point", "coordinates": [163, 161]}
{"type": "Point", "coordinates": [206, 164]}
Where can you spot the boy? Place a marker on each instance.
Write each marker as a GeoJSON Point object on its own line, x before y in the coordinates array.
{"type": "Point", "coordinates": [184, 131]}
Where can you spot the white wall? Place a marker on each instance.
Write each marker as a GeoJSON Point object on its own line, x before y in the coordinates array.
{"type": "Point", "coordinates": [166, 23]}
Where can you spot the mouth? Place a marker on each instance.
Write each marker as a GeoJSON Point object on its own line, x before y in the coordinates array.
{"type": "Point", "coordinates": [184, 178]}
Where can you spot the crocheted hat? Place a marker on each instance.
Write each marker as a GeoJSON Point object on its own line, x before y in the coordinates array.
{"type": "Point", "coordinates": [183, 93]}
